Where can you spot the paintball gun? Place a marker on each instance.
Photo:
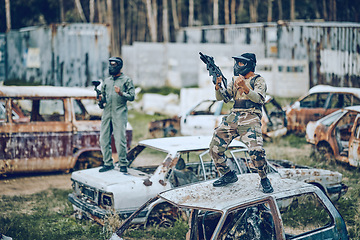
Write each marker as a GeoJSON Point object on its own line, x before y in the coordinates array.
{"type": "Point", "coordinates": [215, 72]}
{"type": "Point", "coordinates": [102, 101]}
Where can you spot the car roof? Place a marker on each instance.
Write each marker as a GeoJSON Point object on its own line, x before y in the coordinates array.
{"type": "Point", "coordinates": [247, 189]}
{"type": "Point", "coordinates": [184, 143]}
{"type": "Point", "coordinates": [45, 91]}
{"type": "Point", "coordinates": [327, 88]}
{"type": "Point", "coordinates": [354, 108]}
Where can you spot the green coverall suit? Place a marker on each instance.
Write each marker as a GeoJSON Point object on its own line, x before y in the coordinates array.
{"type": "Point", "coordinates": [114, 117]}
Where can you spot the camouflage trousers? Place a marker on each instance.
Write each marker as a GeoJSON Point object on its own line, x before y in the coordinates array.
{"type": "Point", "coordinates": [245, 125]}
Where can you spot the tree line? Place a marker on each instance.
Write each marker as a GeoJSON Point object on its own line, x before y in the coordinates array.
{"type": "Point", "coordinates": [158, 20]}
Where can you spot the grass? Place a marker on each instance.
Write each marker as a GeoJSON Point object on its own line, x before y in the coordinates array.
{"type": "Point", "coordinates": [49, 215]}
{"type": "Point", "coordinates": [297, 150]}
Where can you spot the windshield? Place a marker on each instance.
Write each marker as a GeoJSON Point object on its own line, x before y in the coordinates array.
{"type": "Point", "coordinates": [148, 159]}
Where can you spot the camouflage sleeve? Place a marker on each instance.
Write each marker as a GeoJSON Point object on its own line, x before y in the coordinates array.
{"type": "Point", "coordinates": [258, 94]}
{"type": "Point", "coordinates": [229, 89]}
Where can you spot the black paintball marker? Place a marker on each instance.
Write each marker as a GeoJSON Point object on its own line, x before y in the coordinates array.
{"type": "Point", "coordinates": [215, 72]}
{"type": "Point", "coordinates": [102, 101]}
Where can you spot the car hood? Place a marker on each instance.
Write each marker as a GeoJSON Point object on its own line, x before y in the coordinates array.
{"type": "Point", "coordinates": [324, 177]}
{"type": "Point", "coordinates": [92, 177]}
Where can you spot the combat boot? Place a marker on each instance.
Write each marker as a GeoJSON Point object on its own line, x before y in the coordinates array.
{"type": "Point", "coordinates": [106, 168]}
{"type": "Point", "coordinates": [266, 185]}
{"type": "Point", "coordinates": [123, 169]}
{"type": "Point", "coordinates": [229, 177]}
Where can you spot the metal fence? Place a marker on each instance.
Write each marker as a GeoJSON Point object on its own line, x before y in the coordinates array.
{"type": "Point", "coordinates": [332, 49]}
{"type": "Point", "coordinates": [58, 55]}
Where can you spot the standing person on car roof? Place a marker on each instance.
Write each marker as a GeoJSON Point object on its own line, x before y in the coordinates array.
{"type": "Point", "coordinates": [118, 89]}
{"type": "Point", "coordinates": [248, 91]}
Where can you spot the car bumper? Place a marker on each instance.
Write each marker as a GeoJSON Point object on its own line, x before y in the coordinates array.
{"type": "Point", "coordinates": [98, 214]}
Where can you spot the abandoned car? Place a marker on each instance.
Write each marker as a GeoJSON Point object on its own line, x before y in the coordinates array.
{"type": "Point", "coordinates": [337, 136]}
{"type": "Point", "coordinates": [320, 101]}
{"type": "Point", "coordinates": [295, 210]}
{"type": "Point", "coordinates": [164, 163]}
{"type": "Point", "coordinates": [207, 114]}
{"type": "Point", "coordinates": [44, 128]}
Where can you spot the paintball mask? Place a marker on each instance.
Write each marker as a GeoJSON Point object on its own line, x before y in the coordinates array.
{"type": "Point", "coordinates": [249, 61]}
{"type": "Point", "coordinates": [115, 65]}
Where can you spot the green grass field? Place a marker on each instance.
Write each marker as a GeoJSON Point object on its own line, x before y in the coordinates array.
{"type": "Point", "coordinates": [49, 215]}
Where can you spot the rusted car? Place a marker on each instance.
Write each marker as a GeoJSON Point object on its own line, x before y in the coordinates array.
{"type": "Point", "coordinates": [207, 114]}
{"type": "Point", "coordinates": [44, 128]}
{"type": "Point", "coordinates": [295, 210]}
{"type": "Point", "coordinates": [337, 136]}
{"type": "Point", "coordinates": [164, 163]}
{"type": "Point", "coordinates": [319, 102]}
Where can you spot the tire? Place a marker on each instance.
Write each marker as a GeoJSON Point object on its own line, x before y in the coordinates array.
{"type": "Point", "coordinates": [163, 215]}
{"type": "Point", "coordinates": [88, 160]}
{"type": "Point", "coordinates": [325, 153]}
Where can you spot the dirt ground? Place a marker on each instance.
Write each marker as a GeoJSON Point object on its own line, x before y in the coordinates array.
{"type": "Point", "coordinates": [29, 184]}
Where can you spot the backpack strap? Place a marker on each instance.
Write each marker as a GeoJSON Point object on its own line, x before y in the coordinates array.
{"type": "Point", "coordinates": [252, 81]}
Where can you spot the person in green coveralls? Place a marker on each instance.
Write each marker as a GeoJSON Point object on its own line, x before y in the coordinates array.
{"type": "Point", "coordinates": [117, 90]}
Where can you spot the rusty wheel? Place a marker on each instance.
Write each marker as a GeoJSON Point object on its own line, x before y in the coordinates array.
{"type": "Point", "coordinates": [325, 154]}
{"type": "Point", "coordinates": [163, 216]}
{"type": "Point", "coordinates": [88, 160]}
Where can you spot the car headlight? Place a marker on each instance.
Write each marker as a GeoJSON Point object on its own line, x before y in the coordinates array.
{"type": "Point", "coordinates": [107, 200]}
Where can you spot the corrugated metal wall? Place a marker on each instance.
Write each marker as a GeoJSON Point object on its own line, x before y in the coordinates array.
{"type": "Point", "coordinates": [59, 55]}
{"type": "Point", "coordinates": [2, 57]}
{"type": "Point", "coordinates": [332, 49]}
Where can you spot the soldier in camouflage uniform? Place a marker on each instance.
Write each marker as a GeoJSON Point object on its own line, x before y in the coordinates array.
{"type": "Point", "coordinates": [248, 91]}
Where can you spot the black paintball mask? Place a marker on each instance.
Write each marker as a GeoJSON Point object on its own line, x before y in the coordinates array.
{"type": "Point", "coordinates": [115, 65]}
{"type": "Point", "coordinates": [249, 61]}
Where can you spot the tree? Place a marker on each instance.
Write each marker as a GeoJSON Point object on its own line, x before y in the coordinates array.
{"type": "Point", "coordinates": [280, 17]}
{"type": "Point", "coordinates": [216, 12]}
{"type": "Point", "coordinates": [269, 15]}
{"type": "Point", "coordinates": [292, 10]}
{"type": "Point", "coordinates": [151, 9]}
{"type": "Point", "coordinates": [191, 13]}
{"type": "Point", "coordinates": [8, 16]}
{"type": "Point", "coordinates": [253, 10]}
{"type": "Point", "coordinates": [80, 10]}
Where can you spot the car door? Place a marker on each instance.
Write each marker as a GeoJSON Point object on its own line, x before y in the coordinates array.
{"type": "Point", "coordinates": [312, 108]}
{"type": "Point", "coordinates": [354, 144]}
{"type": "Point", "coordinates": [40, 140]}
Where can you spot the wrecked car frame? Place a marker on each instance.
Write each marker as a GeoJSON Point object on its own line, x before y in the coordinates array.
{"type": "Point", "coordinates": [164, 163]}
{"type": "Point", "coordinates": [319, 102]}
{"type": "Point", "coordinates": [45, 128]}
{"type": "Point", "coordinates": [337, 136]}
{"type": "Point", "coordinates": [295, 210]}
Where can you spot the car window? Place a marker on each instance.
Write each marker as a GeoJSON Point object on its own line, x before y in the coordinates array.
{"type": "Point", "coordinates": [343, 127]}
{"type": "Point", "coordinates": [303, 214]}
{"type": "Point", "coordinates": [329, 119]}
{"type": "Point", "coordinates": [254, 222]}
{"type": "Point", "coordinates": [80, 110]}
{"type": "Point", "coordinates": [206, 108]}
{"type": "Point", "coordinates": [200, 164]}
{"type": "Point", "coordinates": [148, 160]}
{"type": "Point", "coordinates": [357, 129]}
{"type": "Point", "coordinates": [342, 100]}
{"type": "Point", "coordinates": [316, 100]}
{"type": "Point", "coordinates": [351, 100]}
{"type": "Point", "coordinates": [52, 110]}
{"type": "Point", "coordinates": [203, 224]}
{"type": "Point", "coordinates": [38, 110]}
{"type": "Point", "coordinates": [2, 111]}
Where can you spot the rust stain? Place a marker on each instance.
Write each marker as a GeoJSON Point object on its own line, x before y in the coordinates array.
{"type": "Point", "coordinates": [147, 182]}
